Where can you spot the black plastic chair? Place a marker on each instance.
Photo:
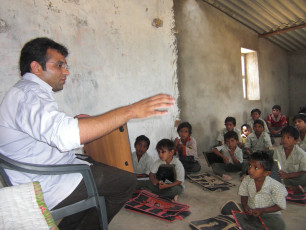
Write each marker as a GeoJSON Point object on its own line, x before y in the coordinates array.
{"type": "Point", "coordinates": [93, 199]}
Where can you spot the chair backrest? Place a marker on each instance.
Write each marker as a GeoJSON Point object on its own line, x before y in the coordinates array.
{"type": "Point", "coordinates": [93, 200]}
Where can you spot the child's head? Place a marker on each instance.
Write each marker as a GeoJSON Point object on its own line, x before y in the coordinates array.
{"type": "Point", "coordinates": [290, 136]}
{"type": "Point", "coordinates": [300, 121]}
{"type": "Point", "coordinates": [276, 110]}
{"type": "Point", "coordinates": [246, 129]}
{"type": "Point", "coordinates": [255, 114]}
{"type": "Point", "coordinates": [184, 130]}
{"type": "Point", "coordinates": [141, 145]}
{"type": "Point", "coordinates": [165, 149]}
{"type": "Point", "coordinates": [260, 165]}
{"type": "Point", "coordinates": [230, 123]}
{"type": "Point", "coordinates": [258, 127]}
{"type": "Point", "coordinates": [231, 139]}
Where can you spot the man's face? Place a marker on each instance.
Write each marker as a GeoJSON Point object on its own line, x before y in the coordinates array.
{"type": "Point", "coordinates": [55, 74]}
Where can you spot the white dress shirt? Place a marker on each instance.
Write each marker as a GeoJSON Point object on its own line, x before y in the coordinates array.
{"type": "Point", "coordinates": [32, 130]}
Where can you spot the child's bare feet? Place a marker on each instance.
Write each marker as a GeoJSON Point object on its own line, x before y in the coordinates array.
{"type": "Point", "coordinates": [301, 188]}
{"type": "Point", "coordinates": [226, 177]}
{"type": "Point", "coordinates": [175, 198]}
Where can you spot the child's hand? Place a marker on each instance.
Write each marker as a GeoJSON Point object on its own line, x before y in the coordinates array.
{"type": "Point", "coordinates": [176, 141]}
{"type": "Point", "coordinates": [225, 159]}
{"type": "Point", "coordinates": [283, 174]}
{"type": "Point", "coordinates": [248, 210]}
{"type": "Point", "coordinates": [257, 212]}
{"type": "Point", "coordinates": [162, 185]}
{"type": "Point", "coordinates": [155, 182]}
{"type": "Point", "coordinates": [231, 152]}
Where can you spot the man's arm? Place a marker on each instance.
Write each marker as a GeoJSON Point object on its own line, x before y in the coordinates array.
{"type": "Point", "coordinates": [95, 127]}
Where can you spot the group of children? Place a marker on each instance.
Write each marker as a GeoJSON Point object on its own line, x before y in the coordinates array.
{"type": "Point", "coordinates": [249, 152]}
{"type": "Point", "coordinates": [178, 156]}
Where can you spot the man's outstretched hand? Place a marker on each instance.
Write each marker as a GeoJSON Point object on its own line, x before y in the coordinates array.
{"type": "Point", "coordinates": [152, 106]}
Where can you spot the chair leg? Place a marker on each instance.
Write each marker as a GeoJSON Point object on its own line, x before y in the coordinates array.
{"type": "Point", "coordinates": [103, 214]}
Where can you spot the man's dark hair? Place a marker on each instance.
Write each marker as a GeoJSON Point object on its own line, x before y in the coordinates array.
{"type": "Point", "coordinates": [142, 138]}
{"type": "Point", "coordinates": [292, 131]}
{"type": "Point", "coordinates": [230, 119]}
{"type": "Point", "coordinates": [277, 107]}
{"type": "Point", "coordinates": [255, 110]}
{"type": "Point", "coordinates": [165, 143]}
{"type": "Point", "coordinates": [300, 116]}
{"type": "Point", "coordinates": [36, 50]}
{"type": "Point", "coordinates": [265, 160]}
{"type": "Point", "coordinates": [260, 122]}
{"type": "Point", "coordinates": [231, 134]}
{"type": "Point", "coordinates": [185, 125]}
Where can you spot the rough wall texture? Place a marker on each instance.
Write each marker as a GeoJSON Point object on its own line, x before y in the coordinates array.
{"type": "Point", "coordinates": [209, 70]}
{"type": "Point", "coordinates": [116, 56]}
{"type": "Point", "coordinates": [297, 81]}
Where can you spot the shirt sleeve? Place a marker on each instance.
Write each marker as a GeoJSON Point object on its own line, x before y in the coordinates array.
{"type": "Point", "coordinates": [39, 117]}
{"type": "Point", "coordinates": [248, 142]}
{"type": "Point", "coordinates": [267, 140]}
{"type": "Point", "coordinates": [149, 163]}
{"type": "Point", "coordinates": [269, 118]}
{"type": "Point", "coordinates": [279, 194]}
{"type": "Point", "coordinates": [243, 188]}
{"type": "Point", "coordinates": [239, 154]}
{"type": "Point", "coordinates": [191, 148]}
{"type": "Point", "coordinates": [284, 121]}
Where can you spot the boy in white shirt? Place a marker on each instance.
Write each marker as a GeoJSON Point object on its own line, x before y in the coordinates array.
{"type": "Point", "coordinates": [231, 155]}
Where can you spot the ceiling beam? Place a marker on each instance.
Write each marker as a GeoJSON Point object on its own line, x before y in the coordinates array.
{"type": "Point", "coordinates": [282, 31]}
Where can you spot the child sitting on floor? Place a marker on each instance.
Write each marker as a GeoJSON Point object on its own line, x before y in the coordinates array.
{"type": "Point", "coordinates": [258, 140]}
{"type": "Point", "coordinates": [230, 125]}
{"type": "Point", "coordinates": [170, 189]}
{"type": "Point", "coordinates": [231, 155]}
{"type": "Point", "coordinates": [292, 158]}
{"type": "Point", "coordinates": [276, 121]}
{"type": "Point", "coordinates": [255, 115]}
{"type": "Point", "coordinates": [142, 161]}
{"type": "Point", "coordinates": [245, 132]}
{"type": "Point", "coordinates": [186, 148]}
{"type": "Point", "coordinates": [260, 194]}
{"type": "Point", "coordinates": [300, 123]}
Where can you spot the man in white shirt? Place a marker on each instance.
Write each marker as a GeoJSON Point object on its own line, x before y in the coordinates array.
{"type": "Point", "coordinates": [32, 129]}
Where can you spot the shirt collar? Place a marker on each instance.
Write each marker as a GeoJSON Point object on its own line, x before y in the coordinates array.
{"type": "Point", "coordinates": [34, 78]}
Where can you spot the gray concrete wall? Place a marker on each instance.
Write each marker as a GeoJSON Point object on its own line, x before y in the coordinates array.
{"type": "Point", "coordinates": [297, 81]}
{"type": "Point", "coordinates": [116, 56]}
{"type": "Point", "coordinates": [209, 70]}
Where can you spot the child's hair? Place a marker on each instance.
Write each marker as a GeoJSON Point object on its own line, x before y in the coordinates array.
{"type": "Point", "coordinates": [255, 110]}
{"type": "Point", "coordinates": [302, 110]}
{"type": "Point", "coordinates": [245, 125]}
{"type": "Point", "coordinates": [260, 122]}
{"type": "Point", "coordinates": [230, 119]}
{"type": "Point", "coordinates": [292, 131]}
{"type": "Point", "coordinates": [300, 116]}
{"type": "Point", "coordinates": [231, 134]}
{"type": "Point", "coordinates": [185, 125]}
{"type": "Point", "coordinates": [264, 159]}
{"type": "Point", "coordinates": [165, 143]}
{"type": "Point", "coordinates": [276, 107]}
{"type": "Point", "coordinates": [142, 138]}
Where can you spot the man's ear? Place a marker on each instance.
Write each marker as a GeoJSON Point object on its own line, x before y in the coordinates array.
{"type": "Point", "coordinates": [35, 68]}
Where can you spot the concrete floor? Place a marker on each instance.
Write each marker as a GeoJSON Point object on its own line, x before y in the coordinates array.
{"type": "Point", "coordinates": [203, 204]}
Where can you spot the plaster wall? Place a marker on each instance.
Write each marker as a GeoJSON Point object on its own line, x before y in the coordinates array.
{"type": "Point", "coordinates": [209, 70]}
{"type": "Point", "coordinates": [297, 81]}
{"type": "Point", "coordinates": [116, 56]}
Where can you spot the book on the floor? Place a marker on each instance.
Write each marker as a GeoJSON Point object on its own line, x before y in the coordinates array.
{"type": "Point", "coordinates": [248, 222]}
{"type": "Point", "coordinates": [210, 182]}
{"type": "Point", "coordinates": [215, 223]}
{"type": "Point", "coordinates": [296, 197]}
{"type": "Point", "coordinates": [153, 205]}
